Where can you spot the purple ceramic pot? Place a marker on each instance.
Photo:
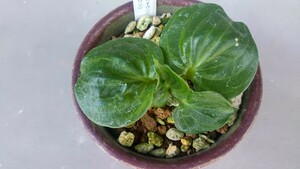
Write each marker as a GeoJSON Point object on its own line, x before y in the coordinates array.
{"type": "Point", "coordinates": [113, 24]}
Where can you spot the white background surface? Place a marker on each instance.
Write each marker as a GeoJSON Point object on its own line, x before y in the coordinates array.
{"type": "Point", "coordinates": [39, 128]}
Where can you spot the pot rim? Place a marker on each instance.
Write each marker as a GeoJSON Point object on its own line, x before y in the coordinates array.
{"type": "Point", "coordinates": [103, 139]}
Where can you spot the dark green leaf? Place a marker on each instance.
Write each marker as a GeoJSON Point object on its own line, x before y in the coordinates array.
{"type": "Point", "coordinates": [202, 44]}
{"type": "Point", "coordinates": [117, 81]}
{"type": "Point", "coordinates": [171, 81]}
{"type": "Point", "coordinates": [161, 96]}
{"type": "Point", "coordinates": [202, 112]}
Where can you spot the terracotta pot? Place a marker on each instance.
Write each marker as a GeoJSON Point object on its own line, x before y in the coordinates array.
{"type": "Point", "coordinates": [113, 24]}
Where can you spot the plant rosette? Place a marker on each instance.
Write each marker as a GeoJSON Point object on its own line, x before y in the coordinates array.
{"type": "Point", "coordinates": [169, 93]}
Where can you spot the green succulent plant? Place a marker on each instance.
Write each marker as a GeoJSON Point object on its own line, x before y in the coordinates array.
{"type": "Point", "coordinates": [121, 79]}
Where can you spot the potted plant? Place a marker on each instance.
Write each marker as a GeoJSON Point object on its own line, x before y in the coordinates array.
{"type": "Point", "coordinates": [203, 60]}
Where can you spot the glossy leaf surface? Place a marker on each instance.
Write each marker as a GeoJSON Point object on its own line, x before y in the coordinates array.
{"type": "Point", "coordinates": [174, 83]}
{"type": "Point", "coordinates": [202, 44]}
{"type": "Point", "coordinates": [117, 81]}
{"type": "Point", "coordinates": [202, 111]}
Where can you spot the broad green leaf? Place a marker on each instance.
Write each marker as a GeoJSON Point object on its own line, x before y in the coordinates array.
{"type": "Point", "coordinates": [202, 44]}
{"type": "Point", "coordinates": [161, 96]}
{"type": "Point", "coordinates": [117, 81]}
{"type": "Point", "coordinates": [172, 82]}
{"type": "Point", "coordinates": [202, 112]}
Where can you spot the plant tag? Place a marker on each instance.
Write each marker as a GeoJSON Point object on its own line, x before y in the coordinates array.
{"type": "Point", "coordinates": [144, 7]}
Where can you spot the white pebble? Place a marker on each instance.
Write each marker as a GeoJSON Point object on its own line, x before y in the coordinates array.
{"type": "Point", "coordinates": [174, 134]}
{"type": "Point", "coordinates": [150, 32]}
{"type": "Point", "coordinates": [172, 151]}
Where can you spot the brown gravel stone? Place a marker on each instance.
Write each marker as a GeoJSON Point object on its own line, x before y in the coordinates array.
{"type": "Point", "coordinates": [149, 122]}
{"type": "Point", "coordinates": [162, 113]}
{"type": "Point", "coordinates": [162, 130]}
{"type": "Point", "coordinates": [223, 130]}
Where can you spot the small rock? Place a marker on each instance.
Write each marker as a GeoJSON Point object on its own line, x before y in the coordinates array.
{"type": "Point", "coordinates": [174, 134]}
{"type": "Point", "coordinates": [149, 122]}
{"type": "Point", "coordinates": [184, 148]}
{"type": "Point", "coordinates": [156, 40]}
{"type": "Point", "coordinates": [166, 15]}
{"type": "Point", "coordinates": [144, 22]}
{"type": "Point", "coordinates": [170, 120]}
{"type": "Point", "coordinates": [157, 32]}
{"type": "Point", "coordinates": [156, 21]}
{"type": "Point", "coordinates": [204, 137]}
{"type": "Point", "coordinates": [130, 27]}
{"type": "Point", "coordinates": [149, 33]}
{"type": "Point", "coordinates": [161, 27]}
{"type": "Point", "coordinates": [139, 127]}
{"type": "Point", "coordinates": [187, 141]}
{"type": "Point", "coordinates": [168, 113]}
{"type": "Point", "coordinates": [165, 18]}
{"type": "Point", "coordinates": [155, 139]}
{"type": "Point", "coordinates": [160, 152]}
{"type": "Point", "coordinates": [126, 139]}
{"type": "Point", "coordinates": [161, 113]}
{"type": "Point", "coordinates": [223, 129]}
{"type": "Point", "coordinates": [172, 151]}
{"type": "Point", "coordinates": [236, 101]}
{"type": "Point", "coordinates": [162, 130]}
{"type": "Point", "coordinates": [232, 119]}
{"type": "Point", "coordinates": [138, 34]}
{"type": "Point", "coordinates": [199, 144]}
{"type": "Point", "coordinates": [160, 121]}
{"type": "Point", "coordinates": [144, 148]}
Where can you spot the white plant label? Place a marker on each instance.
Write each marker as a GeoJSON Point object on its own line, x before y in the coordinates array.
{"type": "Point", "coordinates": [144, 7]}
